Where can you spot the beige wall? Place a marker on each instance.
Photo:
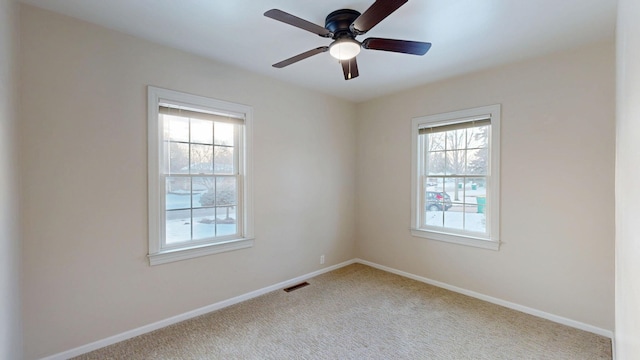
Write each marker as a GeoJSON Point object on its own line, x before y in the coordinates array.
{"type": "Point", "coordinates": [627, 190]}
{"type": "Point", "coordinates": [83, 168]}
{"type": "Point", "coordinates": [557, 197]}
{"type": "Point", "coordinates": [10, 322]}
{"type": "Point", "coordinates": [84, 175]}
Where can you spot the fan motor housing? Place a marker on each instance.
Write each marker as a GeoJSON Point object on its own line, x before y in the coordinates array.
{"type": "Point", "coordinates": [339, 21]}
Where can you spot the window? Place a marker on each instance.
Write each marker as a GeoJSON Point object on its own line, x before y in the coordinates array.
{"type": "Point", "coordinates": [455, 177]}
{"type": "Point", "coordinates": [199, 176]}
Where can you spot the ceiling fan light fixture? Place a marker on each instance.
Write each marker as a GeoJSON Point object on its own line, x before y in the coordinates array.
{"type": "Point", "coordinates": [343, 26]}
{"type": "Point", "coordinates": [344, 49]}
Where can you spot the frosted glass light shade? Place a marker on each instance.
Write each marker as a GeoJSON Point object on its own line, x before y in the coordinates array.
{"type": "Point", "coordinates": [344, 49]}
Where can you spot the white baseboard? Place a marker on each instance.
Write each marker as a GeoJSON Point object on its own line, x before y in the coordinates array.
{"type": "Point", "coordinates": [188, 315]}
{"type": "Point", "coordinates": [507, 304]}
{"type": "Point", "coordinates": [613, 348]}
{"type": "Point", "coordinates": [222, 304]}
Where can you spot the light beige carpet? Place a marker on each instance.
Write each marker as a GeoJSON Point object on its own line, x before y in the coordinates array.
{"type": "Point", "coordinates": [358, 312]}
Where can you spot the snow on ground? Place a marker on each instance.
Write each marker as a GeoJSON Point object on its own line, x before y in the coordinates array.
{"type": "Point", "coordinates": [179, 224]}
{"type": "Point", "coordinates": [179, 230]}
{"type": "Point", "coordinates": [457, 220]}
{"type": "Point", "coordinates": [464, 214]}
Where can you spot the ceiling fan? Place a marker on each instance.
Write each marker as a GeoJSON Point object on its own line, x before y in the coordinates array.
{"type": "Point", "coordinates": [343, 26]}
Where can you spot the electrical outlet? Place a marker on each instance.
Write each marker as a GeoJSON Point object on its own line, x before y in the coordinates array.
{"type": "Point", "coordinates": [321, 259]}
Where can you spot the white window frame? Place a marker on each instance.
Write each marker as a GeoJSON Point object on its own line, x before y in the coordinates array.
{"type": "Point", "coordinates": [157, 254]}
{"type": "Point", "coordinates": [492, 238]}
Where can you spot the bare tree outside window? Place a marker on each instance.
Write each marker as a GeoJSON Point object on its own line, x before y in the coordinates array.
{"type": "Point", "coordinates": [456, 162]}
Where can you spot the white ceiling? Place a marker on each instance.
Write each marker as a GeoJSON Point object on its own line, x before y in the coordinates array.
{"type": "Point", "coordinates": [467, 35]}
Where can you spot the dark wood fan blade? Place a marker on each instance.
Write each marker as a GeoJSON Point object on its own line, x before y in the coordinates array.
{"type": "Point", "coordinates": [374, 14]}
{"type": "Point", "coordinates": [401, 46]}
{"type": "Point", "coordinates": [297, 22]}
{"type": "Point", "coordinates": [349, 68]}
{"type": "Point", "coordinates": [299, 57]}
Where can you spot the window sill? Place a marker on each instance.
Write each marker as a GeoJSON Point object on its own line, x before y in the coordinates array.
{"type": "Point", "coordinates": [457, 239]}
{"type": "Point", "coordinates": [193, 252]}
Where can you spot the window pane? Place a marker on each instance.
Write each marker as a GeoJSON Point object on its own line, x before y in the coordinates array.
{"type": "Point", "coordinates": [224, 160]}
{"type": "Point", "coordinates": [478, 137]}
{"type": "Point", "coordinates": [454, 187]}
{"type": "Point", "coordinates": [178, 226]}
{"type": "Point", "coordinates": [477, 200]}
{"type": "Point", "coordinates": [434, 184]}
{"type": "Point", "coordinates": [176, 128]}
{"type": "Point", "coordinates": [455, 162]}
{"type": "Point", "coordinates": [201, 131]}
{"type": "Point", "coordinates": [435, 163]}
{"type": "Point", "coordinates": [477, 161]}
{"type": "Point", "coordinates": [457, 191]}
{"type": "Point", "coordinates": [226, 191]}
{"type": "Point", "coordinates": [475, 222]}
{"type": "Point", "coordinates": [226, 223]}
{"type": "Point", "coordinates": [434, 218]}
{"type": "Point", "coordinates": [177, 193]}
{"type": "Point", "coordinates": [437, 201]}
{"type": "Point", "coordinates": [203, 191]}
{"type": "Point", "coordinates": [476, 187]}
{"type": "Point", "coordinates": [204, 222]}
{"type": "Point", "coordinates": [435, 141]}
{"type": "Point", "coordinates": [178, 161]}
{"type": "Point", "coordinates": [456, 139]}
{"type": "Point", "coordinates": [453, 203]}
{"type": "Point", "coordinates": [224, 134]}
{"type": "Point", "coordinates": [201, 159]}
{"type": "Point", "coordinates": [454, 217]}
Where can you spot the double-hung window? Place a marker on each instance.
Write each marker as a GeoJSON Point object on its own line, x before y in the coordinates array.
{"type": "Point", "coordinates": [456, 178]}
{"type": "Point", "coordinates": [199, 179]}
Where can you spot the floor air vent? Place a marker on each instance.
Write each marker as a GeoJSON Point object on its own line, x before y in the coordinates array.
{"type": "Point", "coordinates": [296, 287]}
